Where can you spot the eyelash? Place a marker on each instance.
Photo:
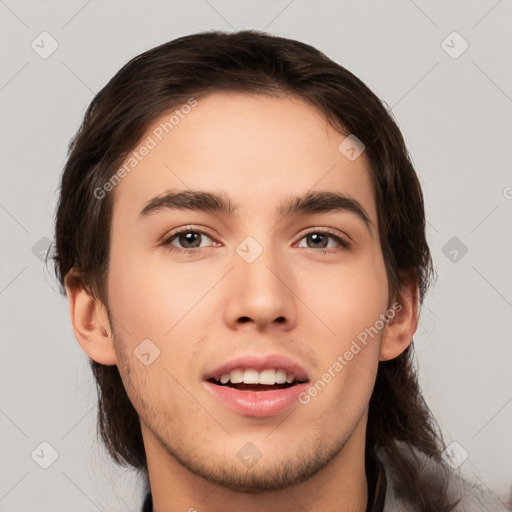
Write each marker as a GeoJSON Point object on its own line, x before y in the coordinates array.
{"type": "Point", "coordinates": [345, 244]}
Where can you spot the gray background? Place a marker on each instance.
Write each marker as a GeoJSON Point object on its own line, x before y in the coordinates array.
{"type": "Point", "coordinates": [456, 117]}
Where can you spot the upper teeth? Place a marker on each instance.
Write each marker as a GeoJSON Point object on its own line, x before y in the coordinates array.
{"type": "Point", "coordinates": [269, 377]}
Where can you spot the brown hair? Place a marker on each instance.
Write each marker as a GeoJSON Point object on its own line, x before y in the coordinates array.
{"type": "Point", "coordinates": [164, 78]}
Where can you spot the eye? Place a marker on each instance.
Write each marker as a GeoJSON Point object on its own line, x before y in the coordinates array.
{"type": "Point", "coordinates": [319, 239]}
{"type": "Point", "coordinates": [190, 241]}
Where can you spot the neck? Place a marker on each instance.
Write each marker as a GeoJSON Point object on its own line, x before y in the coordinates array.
{"type": "Point", "coordinates": [339, 486]}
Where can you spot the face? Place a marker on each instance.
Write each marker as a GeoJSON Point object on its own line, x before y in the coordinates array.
{"type": "Point", "coordinates": [202, 298]}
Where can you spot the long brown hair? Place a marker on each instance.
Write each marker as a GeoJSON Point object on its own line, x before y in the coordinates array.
{"type": "Point", "coordinates": [164, 78]}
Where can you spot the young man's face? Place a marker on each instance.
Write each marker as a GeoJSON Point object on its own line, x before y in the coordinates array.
{"type": "Point", "coordinates": [252, 284]}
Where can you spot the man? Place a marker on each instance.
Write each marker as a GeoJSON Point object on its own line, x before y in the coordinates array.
{"type": "Point", "coordinates": [241, 237]}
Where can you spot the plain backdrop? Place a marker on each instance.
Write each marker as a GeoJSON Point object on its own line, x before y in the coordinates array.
{"type": "Point", "coordinates": [454, 106]}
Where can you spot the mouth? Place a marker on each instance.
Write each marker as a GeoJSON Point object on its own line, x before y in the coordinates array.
{"type": "Point", "coordinates": [253, 380]}
{"type": "Point", "coordinates": [257, 386]}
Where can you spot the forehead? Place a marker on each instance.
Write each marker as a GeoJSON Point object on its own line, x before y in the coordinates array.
{"type": "Point", "coordinates": [254, 148]}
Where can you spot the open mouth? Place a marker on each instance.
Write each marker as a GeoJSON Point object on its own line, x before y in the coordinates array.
{"type": "Point", "coordinates": [264, 392]}
{"type": "Point", "coordinates": [254, 387]}
{"type": "Point", "coordinates": [254, 380]}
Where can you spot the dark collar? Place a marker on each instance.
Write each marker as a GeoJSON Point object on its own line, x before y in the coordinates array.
{"type": "Point", "coordinates": [148, 503]}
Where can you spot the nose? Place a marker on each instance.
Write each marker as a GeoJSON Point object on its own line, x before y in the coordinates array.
{"type": "Point", "coordinates": [260, 294]}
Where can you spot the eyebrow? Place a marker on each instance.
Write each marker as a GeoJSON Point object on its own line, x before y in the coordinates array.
{"type": "Point", "coordinates": [198, 200]}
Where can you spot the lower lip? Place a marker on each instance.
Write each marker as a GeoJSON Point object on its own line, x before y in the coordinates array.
{"type": "Point", "coordinates": [258, 404]}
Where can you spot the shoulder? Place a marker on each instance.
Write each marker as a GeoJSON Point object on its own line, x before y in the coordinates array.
{"type": "Point", "coordinates": [437, 479]}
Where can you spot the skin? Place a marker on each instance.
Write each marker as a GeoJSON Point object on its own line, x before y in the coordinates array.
{"type": "Point", "coordinates": [258, 150]}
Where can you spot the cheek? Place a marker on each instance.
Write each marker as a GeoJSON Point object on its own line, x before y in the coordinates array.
{"type": "Point", "coordinates": [150, 298]}
{"type": "Point", "coordinates": [154, 390]}
{"type": "Point", "coordinates": [347, 298]}
{"type": "Point", "coordinates": [349, 301]}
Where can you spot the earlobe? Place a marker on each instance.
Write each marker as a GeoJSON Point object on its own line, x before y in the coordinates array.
{"type": "Point", "coordinates": [90, 321]}
{"type": "Point", "coordinates": [402, 325]}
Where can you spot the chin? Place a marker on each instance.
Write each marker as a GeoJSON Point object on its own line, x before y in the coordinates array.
{"type": "Point", "coordinates": [269, 473]}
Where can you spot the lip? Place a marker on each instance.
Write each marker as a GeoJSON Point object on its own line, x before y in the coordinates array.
{"type": "Point", "coordinates": [257, 404]}
{"type": "Point", "coordinates": [259, 363]}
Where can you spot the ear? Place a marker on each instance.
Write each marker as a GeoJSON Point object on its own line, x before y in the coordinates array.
{"type": "Point", "coordinates": [90, 321]}
{"type": "Point", "coordinates": [401, 326]}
